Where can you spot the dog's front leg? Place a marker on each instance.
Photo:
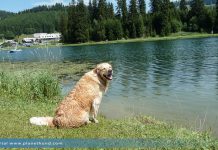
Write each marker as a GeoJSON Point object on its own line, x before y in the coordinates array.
{"type": "Point", "coordinates": [94, 110]}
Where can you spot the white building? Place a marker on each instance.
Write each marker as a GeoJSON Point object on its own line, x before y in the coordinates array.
{"type": "Point", "coordinates": [29, 40]}
{"type": "Point", "coordinates": [47, 36]}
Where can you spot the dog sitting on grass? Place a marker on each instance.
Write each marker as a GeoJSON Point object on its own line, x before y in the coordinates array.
{"type": "Point", "coordinates": [81, 105]}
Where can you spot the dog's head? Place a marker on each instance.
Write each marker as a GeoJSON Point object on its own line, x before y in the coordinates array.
{"type": "Point", "coordinates": [104, 70]}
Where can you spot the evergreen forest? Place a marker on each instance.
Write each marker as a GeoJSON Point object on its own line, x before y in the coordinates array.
{"type": "Point", "coordinates": [100, 20]}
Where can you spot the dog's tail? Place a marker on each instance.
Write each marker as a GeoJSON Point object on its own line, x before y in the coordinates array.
{"type": "Point", "coordinates": [42, 121]}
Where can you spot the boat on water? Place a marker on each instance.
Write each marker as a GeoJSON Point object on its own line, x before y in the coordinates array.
{"type": "Point", "coordinates": [15, 50]}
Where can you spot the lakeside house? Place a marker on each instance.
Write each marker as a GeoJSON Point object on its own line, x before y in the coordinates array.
{"type": "Point", "coordinates": [47, 36]}
{"type": "Point", "coordinates": [43, 38]}
{"type": "Point", "coordinates": [29, 40]}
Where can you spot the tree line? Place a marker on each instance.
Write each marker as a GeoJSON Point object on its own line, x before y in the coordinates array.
{"type": "Point", "coordinates": [36, 20]}
{"type": "Point", "coordinates": [30, 23]}
{"type": "Point", "coordinates": [55, 7]}
{"type": "Point", "coordinates": [99, 21]}
{"type": "Point", "coordinates": [5, 14]}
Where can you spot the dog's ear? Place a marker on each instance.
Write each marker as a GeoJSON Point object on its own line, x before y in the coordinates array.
{"type": "Point", "coordinates": [96, 70]}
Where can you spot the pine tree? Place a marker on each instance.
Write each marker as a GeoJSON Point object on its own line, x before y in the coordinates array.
{"type": "Point", "coordinates": [71, 22]}
{"type": "Point", "coordinates": [183, 11]}
{"type": "Point", "coordinates": [102, 6]}
{"type": "Point", "coordinates": [155, 16]}
{"type": "Point", "coordinates": [118, 9]}
{"type": "Point", "coordinates": [122, 15]}
{"type": "Point", "coordinates": [136, 24]}
{"type": "Point", "coordinates": [142, 6]}
{"type": "Point", "coordinates": [90, 8]}
{"type": "Point", "coordinates": [109, 24]}
{"type": "Point", "coordinates": [161, 12]}
{"type": "Point", "coordinates": [82, 24]}
{"type": "Point", "coordinates": [143, 18]}
{"type": "Point", "coordinates": [110, 11]}
{"type": "Point", "coordinates": [139, 26]}
{"type": "Point", "coordinates": [98, 33]}
{"type": "Point", "coordinates": [132, 30]}
{"type": "Point", "coordinates": [122, 10]}
{"type": "Point", "coordinates": [64, 27]}
{"type": "Point", "coordinates": [182, 5]}
{"type": "Point", "coordinates": [165, 15]}
{"type": "Point", "coordinates": [133, 15]}
{"type": "Point", "coordinates": [155, 5]}
{"type": "Point", "coordinates": [175, 19]}
{"type": "Point", "coordinates": [78, 23]}
{"type": "Point", "coordinates": [216, 19]}
{"type": "Point", "coordinates": [197, 8]}
{"type": "Point", "coordinates": [118, 32]}
{"type": "Point", "coordinates": [95, 9]}
{"type": "Point", "coordinates": [133, 9]}
{"type": "Point", "coordinates": [217, 9]}
{"type": "Point", "coordinates": [197, 15]}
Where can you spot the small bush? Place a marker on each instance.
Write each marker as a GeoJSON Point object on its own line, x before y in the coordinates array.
{"type": "Point", "coordinates": [176, 26]}
{"type": "Point", "coordinates": [27, 85]}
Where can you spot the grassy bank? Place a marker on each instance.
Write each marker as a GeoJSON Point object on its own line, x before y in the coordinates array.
{"type": "Point", "coordinates": [16, 107]}
{"type": "Point", "coordinates": [28, 85]}
{"type": "Point", "coordinates": [15, 116]}
{"type": "Point", "coordinates": [34, 46]}
{"type": "Point", "coordinates": [65, 69]}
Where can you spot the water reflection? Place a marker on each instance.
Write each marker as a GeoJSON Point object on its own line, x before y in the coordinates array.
{"type": "Point", "coordinates": [163, 65]}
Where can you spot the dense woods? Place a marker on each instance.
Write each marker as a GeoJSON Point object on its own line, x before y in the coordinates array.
{"type": "Point", "coordinates": [101, 20]}
{"type": "Point", "coordinates": [36, 20]}
{"type": "Point", "coordinates": [5, 14]}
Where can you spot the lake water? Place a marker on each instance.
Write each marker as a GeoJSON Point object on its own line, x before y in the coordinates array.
{"type": "Point", "coordinates": [175, 81]}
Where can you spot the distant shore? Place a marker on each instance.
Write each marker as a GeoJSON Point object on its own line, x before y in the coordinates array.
{"type": "Point", "coordinates": [174, 36]}
{"type": "Point", "coordinates": [182, 35]}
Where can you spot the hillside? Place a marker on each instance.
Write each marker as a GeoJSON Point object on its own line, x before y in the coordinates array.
{"type": "Point", "coordinates": [28, 23]}
{"type": "Point", "coordinates": [206, 2]}
{"type": "Point", "coordinates": [209, 2]}
{"type": "Point", "coordinates": [5, 14]}
{"type": "Point", "coordinates": [38, 19]}
{"type": "Point", "coordinates": [56, 7]}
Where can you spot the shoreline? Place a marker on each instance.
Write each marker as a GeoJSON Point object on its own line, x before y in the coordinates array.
{"type": "Point", "coordinates": [175, 36]}
{"type": "Point", "coordinates": [147, 39]}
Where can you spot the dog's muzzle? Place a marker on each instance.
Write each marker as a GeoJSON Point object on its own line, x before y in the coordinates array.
{"type": "Point", "coordinates": [109, 75]}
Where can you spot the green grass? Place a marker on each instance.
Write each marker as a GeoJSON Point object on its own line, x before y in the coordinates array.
{"type": "Point", "coordinates": [16, 107]}
{"type": "Point", "coordinates": [65, 69]}
{"type": "Point", "coordinates": [29, 85]}
{"type": "Point", "coordinates": [15, 114]}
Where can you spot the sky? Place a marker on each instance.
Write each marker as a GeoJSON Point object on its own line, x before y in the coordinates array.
{"type": "Point", "coordinates": [19, 5]}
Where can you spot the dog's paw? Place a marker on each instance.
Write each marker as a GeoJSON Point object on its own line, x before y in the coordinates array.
{"type": "Point", "coordinates": [95, 121]}
{"type": "Point", "coordinates": [87, 122]}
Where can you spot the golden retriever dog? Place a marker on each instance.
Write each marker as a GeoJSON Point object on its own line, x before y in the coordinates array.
{"type": "Point", "coordinates": [81, 105]}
